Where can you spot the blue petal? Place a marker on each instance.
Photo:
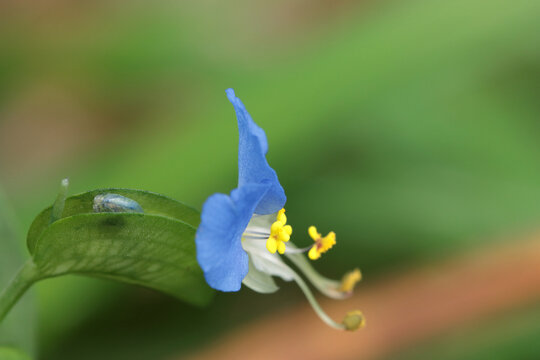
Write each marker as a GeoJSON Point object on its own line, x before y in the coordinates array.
{"type": "Point", "coordinates": [219, 236]}
{"type": "Point", "coordinates": [252, 164]}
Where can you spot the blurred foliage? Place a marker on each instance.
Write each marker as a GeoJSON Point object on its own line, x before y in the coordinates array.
{"type": "Point", "coordinates": [409, 128]}
{"type": "Point", "coordinates": [513, 337]}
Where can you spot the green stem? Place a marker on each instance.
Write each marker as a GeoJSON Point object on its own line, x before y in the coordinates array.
{"type": "Point", "coordinates": [26, 276]}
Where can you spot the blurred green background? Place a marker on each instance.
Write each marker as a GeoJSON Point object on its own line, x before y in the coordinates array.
{"type": "Point", "coordinates": [409, 128]}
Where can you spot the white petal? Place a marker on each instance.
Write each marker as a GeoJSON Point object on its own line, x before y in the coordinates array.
{"type": "Point", "coordinates": [259, 281]}
{"type": "Point", "coordinates": [262, 221]}
{"type": "Point", "coordinates": [266, 262]}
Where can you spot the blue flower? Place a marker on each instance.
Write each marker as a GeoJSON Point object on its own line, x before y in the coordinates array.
{"type": "Point", "coordinates": [240, 233]}
{"type": "Point", "coordinates": [252, 165]}
{"type": "Point", "coordinates": [224, 218]}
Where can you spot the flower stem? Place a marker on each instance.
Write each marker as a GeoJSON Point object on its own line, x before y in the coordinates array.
{"type": "Point", "coordinates": [26, 276]}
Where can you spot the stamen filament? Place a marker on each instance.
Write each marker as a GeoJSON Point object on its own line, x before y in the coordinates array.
{"type": "Point", "coordinates": [255, 232]}
{"type": "Point", "coordinates": [315, 305]}
{"type": "Point", "coordinates": [328, 287]}
{"type": "Point", "coordinates": [255, 236]}
{"type": "Point", "coordinates": [293, 250]}
{"type": "Point", "coordinates": [259, 230]}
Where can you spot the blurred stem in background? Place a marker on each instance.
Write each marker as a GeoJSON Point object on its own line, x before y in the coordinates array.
{"type": "Point", "coordinates": [16, 288]}
{"type": "Point", "coordinates": [18, 328]}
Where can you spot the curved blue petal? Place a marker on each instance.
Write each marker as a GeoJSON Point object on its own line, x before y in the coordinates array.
{"type": "Point", "coordinates": [218, 238]}
{"type": "Point", "coordinates": [252, 164]}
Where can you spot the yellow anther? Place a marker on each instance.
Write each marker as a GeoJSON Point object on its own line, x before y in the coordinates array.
{"type": "Point", "coordinates": [281, 247]}
{"type": "Point", "coordinates": [354, 320]}
{"type": "Point", "coordinates": [284, 233]}
{"type": "Point", "coordinates": [279, 234]}
{"type": "Point", "coordinates": [275, 228]}
{"type": "Point", "coordinates": [272, 245]}
{"type": "Point", "coordinates": [312, 231]}
{"type": "Point", "coordinates": [281, 216]}
{"type": "Point", "coordinates": [349, 280]}
{"type": "Point", "coordinates": [322, 244]}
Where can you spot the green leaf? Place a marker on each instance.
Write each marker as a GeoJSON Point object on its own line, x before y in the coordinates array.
{"type": "Point", "coordinates": [155, 249]}
{"type": "Point", "coordinates": [152, 203]}
{"type": "Point", "coordinates": [149, 250]}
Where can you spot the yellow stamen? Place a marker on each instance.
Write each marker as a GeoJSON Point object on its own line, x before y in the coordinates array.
{"type": "Point", "coordinates": [349, 280]}
{"type": "Point", "coordinates": [312, 231]}
{"type": "Point", "coordinates": [354, 320]}
{"type": "Point", "coordinates": [322, 244]}
{"type": "Point", "coordinates": [281, 247]}
{"type": "Point", "coordinates": [271, 245]}
{"type": "Point", "coordinates": [281, 216]}
{"type": "Point", "coordinates": [280, 233]}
